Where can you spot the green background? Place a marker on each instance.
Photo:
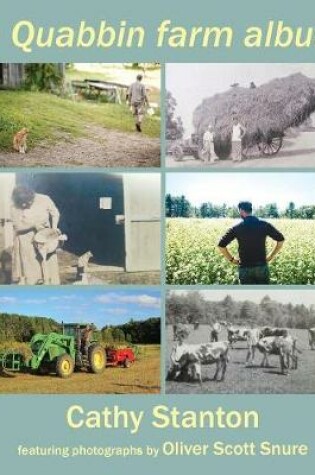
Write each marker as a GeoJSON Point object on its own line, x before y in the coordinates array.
{"type": "Point", "coordinates": [32, 420]}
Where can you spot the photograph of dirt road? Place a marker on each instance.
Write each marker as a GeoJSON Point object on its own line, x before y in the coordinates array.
{"type": "Point", "coordinates": [97, 341]}
{"type": "Point", "coordinates": [240, 115]}
{"type": "Point", "coordinates": [242, 342]}
{"type": "Point", "coordinates": [80, 114]}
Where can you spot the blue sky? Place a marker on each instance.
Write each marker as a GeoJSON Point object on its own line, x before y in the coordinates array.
{"type": "Point", "coordinates": [98, 305]}
{"type": "Point", "coordinates": [230, 188]}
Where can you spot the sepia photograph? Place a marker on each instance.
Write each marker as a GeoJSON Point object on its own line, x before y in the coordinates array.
{"type": "Point", "coordinates": [242, 342]}
{"type": "Point", "coordinates": [240, 228]}
{"type": "Point", "coordinates": [62, 341]}
{"type": "Point", "coordinates": [79, 228]}
{"type": "Point", "coordinates": [240, 115]}
{"type": "Point", "coordinates": [80, 114]}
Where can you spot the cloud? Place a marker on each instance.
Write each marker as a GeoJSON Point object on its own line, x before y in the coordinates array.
{"type": "Point", "coordinates": [117, 310]}
{"type": "Point", "coordinates": [143, 300]}
{"type": "Point", "coordinates": [35, 301]}
{"type": "Point", "coordinates": [8, 299]}
{"type": "Point", "coordinates": [65, 297]}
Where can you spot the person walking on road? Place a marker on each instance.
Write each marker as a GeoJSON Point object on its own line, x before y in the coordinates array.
{"type": "Point", "coordinates": [138, 100]}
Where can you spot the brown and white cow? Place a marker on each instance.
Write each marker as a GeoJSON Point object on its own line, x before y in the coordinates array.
{"type": "Point", "coordinates": [187, 359]}
{"type": "Point", "coordinates": [311, 338]}
{"type": "Point", "coordinates": [283, 346]}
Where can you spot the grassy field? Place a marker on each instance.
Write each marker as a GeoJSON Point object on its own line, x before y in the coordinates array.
{"type": "Point", "coordinates": [143, 377]}
{"type": "Point", "coordinates": [192, 255]}
{"type": "Point", "coordinates": [50, 118]}
{"type": "Point", "coordinates": [242, 380]}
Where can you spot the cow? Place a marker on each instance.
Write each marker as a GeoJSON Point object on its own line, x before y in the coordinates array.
{"type": "Point", "coordinates": [311, 338]}
{"type": "Point", "coordinates": [236, 334]}
{"type": "Point", "coordinates": [283, 346]}
{"type": "Point", "coordinates": [268, 331]}
{"type": "Point", "coordinates": [187, 359]}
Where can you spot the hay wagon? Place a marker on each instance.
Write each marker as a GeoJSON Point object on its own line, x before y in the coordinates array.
{"type": "Point", "coordinates": [193, 147]}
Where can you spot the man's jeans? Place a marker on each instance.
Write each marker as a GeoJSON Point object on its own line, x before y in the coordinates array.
{"type": "Point", "coordinates": [254, 275]}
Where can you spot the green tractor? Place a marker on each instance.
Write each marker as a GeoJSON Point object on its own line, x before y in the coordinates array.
{"type": "Point", "coordinates": [62, 354]}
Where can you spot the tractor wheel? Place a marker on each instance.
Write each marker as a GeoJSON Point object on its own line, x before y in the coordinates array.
{"type": "Point", "coordinates": [97, 359]}
{"type": "Point", "coordinates": [177, 152]}
{"type": "Point", "coordinates": [65, 366]}
{"type": "Point", "coordinates": [127, 363]}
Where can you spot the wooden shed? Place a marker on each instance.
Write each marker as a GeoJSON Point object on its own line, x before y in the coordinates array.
{"type": "Point", "coordinates": [12, 75]}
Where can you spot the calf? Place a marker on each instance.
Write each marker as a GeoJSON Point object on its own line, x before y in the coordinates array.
{"type": "Point", "coordinates": [188, 358]}
{"type": "Point", "coordinates": [284, 347]}
{"type": "Point", "coordinates": [311, 338]}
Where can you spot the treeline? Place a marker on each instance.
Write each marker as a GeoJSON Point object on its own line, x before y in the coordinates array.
{"type": "Point", "coordinates": [14, 327]}
{"type": "Point", "coordinates": [174, 124]}
{"type": "Point", "coordinates": [134, 331]}
{"type": "Point", "coordinates": [19, 328]}
{"type": "Point", "coordinates": [193, 308]}
{"type": "Point", "coordinates": [180, 207]}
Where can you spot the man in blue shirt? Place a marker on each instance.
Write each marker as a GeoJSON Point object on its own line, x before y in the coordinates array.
{"type": "Point", "coordinates": [251, 235]}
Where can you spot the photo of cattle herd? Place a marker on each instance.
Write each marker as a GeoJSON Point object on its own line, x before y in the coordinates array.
{"type": "Point", "coordinates": [241, 342]}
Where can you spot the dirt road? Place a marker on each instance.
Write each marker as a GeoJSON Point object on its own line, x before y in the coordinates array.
{"type": "Point", "coordinates": [297, 152]}
{"type": "Point", "coordinates": [100, 148]}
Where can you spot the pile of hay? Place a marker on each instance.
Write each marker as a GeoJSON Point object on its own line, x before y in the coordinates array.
{"type": "Point", "coordinates": [266, 111]}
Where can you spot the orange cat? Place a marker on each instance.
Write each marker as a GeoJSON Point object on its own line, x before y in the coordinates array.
{"type": "Point", "coordinates": [19, 140]}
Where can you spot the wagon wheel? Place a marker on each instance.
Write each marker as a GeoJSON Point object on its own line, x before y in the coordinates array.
{"type": "Point", "coordinates": [177, 152]}
{"type": "Point", "coordinates": [127, 363]}
{"type": "Point", "coordinates": [271, 147]}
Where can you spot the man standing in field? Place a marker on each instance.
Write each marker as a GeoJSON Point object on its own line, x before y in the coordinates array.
{"type": "Point", "coordinates": [208, 145]}
{"type": "Point", "coordinates": [238, 132]}
{"type": "Point", "coordinates": [138, 100]}
{"type": "Point", "coordinates": [251, 235]}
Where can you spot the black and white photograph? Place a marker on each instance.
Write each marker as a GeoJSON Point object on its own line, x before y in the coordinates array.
{"type": "Point", "coordinates": [240, 341]}
{"type": "Point", "coordinates": [240, 115]}
{"type": "Point", "coordinates": [79, 228]}
{"type": "Point", "coordinates": [80, 114]}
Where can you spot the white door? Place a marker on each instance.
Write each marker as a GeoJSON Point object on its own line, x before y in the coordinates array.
{"type": "Point", "coordinates": [142, 202]}
{"type": "Point", "coordinates": [7, 183]}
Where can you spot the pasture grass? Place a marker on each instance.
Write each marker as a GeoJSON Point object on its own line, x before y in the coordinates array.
{"type": "Point", "coordinates": [252, 380]}
{"type": "Point", "coordinates": [50, 118]}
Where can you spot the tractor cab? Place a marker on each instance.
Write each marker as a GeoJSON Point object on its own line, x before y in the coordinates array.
{"type": "Point", "coordinates": [77, 330]}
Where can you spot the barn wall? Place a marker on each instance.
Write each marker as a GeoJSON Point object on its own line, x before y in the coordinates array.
{"type": "Point", "coordinates": [142, 222]}
{"type": "Point", "coordinates": [12, 74]}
